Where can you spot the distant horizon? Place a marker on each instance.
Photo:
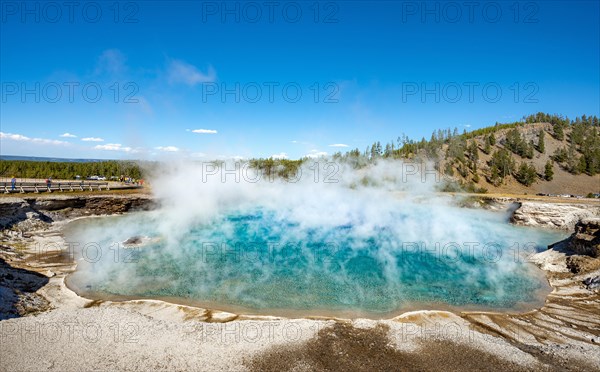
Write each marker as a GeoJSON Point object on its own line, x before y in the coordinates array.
{"type": "Point", "coordinates": [51, 159]}
{"type": "Point", "coordinates": [204, 157]}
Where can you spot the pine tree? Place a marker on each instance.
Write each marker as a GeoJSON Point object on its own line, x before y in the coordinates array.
{"type": "Point", "coordinates": [503, 161]}
{"type": "Point", "coordinates": [529, 151]}
{"type": "Point", "coordinates": [541, 146]}
{"type": "Point", "coordinates": [559, 134]}
{"type": "Point", "coordinates": [526, 174]}
{"type": "Point", "coordinates": [560, 155]}
{"type": "Point", "coordinates": [448, 169]}
{"type": "Point", "coordinates": [571, 159]}
{"type": "Point", "coordinates": [549, 170]}
{"type": "Point", "coordinates": [388, 151]}
{"type": "Point", "coordinates": [581, 165]}
{"type": "Point", "coordinates": [474, 151]}
{"type": "Point", "coordinates": [495, 175]}
{"type": "Point", "coordinates": [488, 145]}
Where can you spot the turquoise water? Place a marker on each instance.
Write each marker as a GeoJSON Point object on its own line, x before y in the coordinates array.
{"type": "Point", "coordinates": [260, 259]}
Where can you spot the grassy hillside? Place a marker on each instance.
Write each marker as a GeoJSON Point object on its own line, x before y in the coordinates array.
{"type": "Point", "coordinates": [564, 176]}
{"type": "Point", "coordinates": [540, 154]}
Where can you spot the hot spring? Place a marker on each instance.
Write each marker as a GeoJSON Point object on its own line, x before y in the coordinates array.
{"type": "Point", "coordinates": [310, 248]}
{"type": "Point", "coordinates": [259, 260]}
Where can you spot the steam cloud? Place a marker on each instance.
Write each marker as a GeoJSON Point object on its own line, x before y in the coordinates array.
{"type": "Point", "coordinates": [375, 239]}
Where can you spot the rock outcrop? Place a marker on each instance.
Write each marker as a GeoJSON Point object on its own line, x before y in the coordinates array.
{"type": "Point", "coordinates": [586, 238]}
{"type": "Point", "coordinates": [581, 252]}
{"type": "Point", "coordinates": [53, 208]}
{"type": "Point", "coordinates": [13, 210]}
{"type": "Point", "coordinates": [18, 288]}
{"type": "Point", "coordinates": [582, 264]}
{"type": "Point", "coordinates": [553, 215]}
{"type": "Point", "coordinates": [592, 283]}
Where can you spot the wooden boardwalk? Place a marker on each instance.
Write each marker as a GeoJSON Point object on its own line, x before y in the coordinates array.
{"type": "Point", "coordinates": [59, 186]}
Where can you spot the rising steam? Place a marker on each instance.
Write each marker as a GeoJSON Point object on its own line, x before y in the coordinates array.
{"type": "Point", "coordinates": [375, 239]}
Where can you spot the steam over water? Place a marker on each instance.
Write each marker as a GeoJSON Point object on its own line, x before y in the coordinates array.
{"type": "Point", "coordinates": [312, 246]}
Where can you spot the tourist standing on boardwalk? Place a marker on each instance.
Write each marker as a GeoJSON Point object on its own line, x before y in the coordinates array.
{"type": "Point", "coordinates": [13, 183]}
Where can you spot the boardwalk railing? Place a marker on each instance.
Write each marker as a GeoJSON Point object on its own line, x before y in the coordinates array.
{"type": "Point", "coordinates": [24, 187]}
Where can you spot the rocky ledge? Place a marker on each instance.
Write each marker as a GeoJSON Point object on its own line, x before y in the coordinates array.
{"type": "Point", "coordinates": [553, 215]}
{"type": "Point", "coordinates": [55, 208]}
{"type": "Point", "coordinates": [583, 251]}
{"type": "Point", "coordinates": [586, 239]}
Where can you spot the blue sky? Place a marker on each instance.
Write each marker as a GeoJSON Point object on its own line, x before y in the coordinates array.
{"type": "Point", "coordinates": [157, 79]}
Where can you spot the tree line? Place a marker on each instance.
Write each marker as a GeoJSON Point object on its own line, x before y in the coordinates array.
{"type": "Point", "coordinates": [70, 170]}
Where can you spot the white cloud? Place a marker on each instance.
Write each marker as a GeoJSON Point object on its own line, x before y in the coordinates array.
{"type": "Point", "coordinates": [68, 135]}
{"type": "Point", "coordinates": [20, 137]}
{"type": "Point", "coordinates": [198, 154]}
{"type": "Point", "coordinates": [14, 137]}
{"type": "Point", "coordinates": [113, 147]}
{"type": "Point", "coordinates": [338, 145]}
{"type": "Point", "coordinates": [48, 141]}
{"type": "Point", "coordinates": [167, 148]}
{"type": "Point", "coordinates": [281, 155]}
{"type": "Point", "coordinates": [111, 61]}
{"type": "Point", "coordinates": [92, 139]}
{"type": "Point", "coordinates": [204, 131]}
{"type": "Point", "coordinates": [182, 72]}
{"type": "Point", "coordinates": [316, 154]}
